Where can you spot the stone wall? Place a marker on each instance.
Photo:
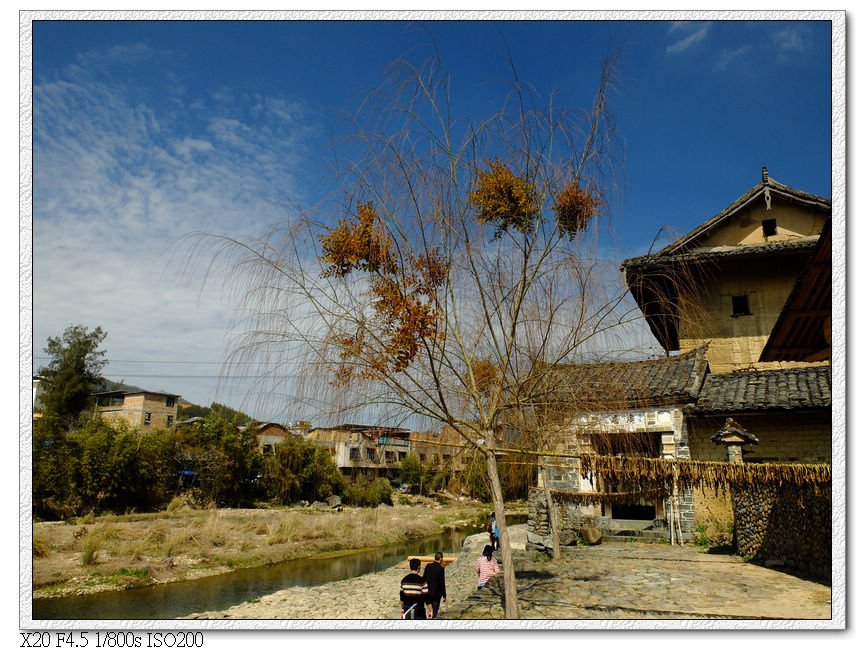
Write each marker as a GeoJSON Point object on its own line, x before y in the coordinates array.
{"type": "Point", "coordinates": [802, 438]}
{"type": "Point", "coordinates": [573, 518]}
{"type": "Point", "coordinates": [786, 526]}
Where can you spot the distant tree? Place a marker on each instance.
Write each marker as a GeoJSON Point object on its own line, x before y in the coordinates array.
{"type": "Point", "coordinates": [219, 460]}
{"type": "Point", "coordinates": [368, 492]}
{"type": "Point", "coordinates": [411, 472]}
{"type": "Point", "coordinates": [226, 412]}
{"type": "Point", "coordinates": [73, 373]}
{"type": "Point", "coordinates": [298, 470]}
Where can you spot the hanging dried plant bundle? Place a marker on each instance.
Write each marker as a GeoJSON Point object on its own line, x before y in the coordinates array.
{"type": "Point", "coordinates": [659, 472]}
{"type": "Point", "coordinates": [593, 498]}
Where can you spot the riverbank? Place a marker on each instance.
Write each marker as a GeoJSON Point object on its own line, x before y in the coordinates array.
{"type": "Point", "coordinates": [121, 552]}
{"type": "Point", "coordinates": [374, 596]}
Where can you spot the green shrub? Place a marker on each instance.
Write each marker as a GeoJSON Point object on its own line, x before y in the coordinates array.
{"type": "Point", "coordinates": [140, 574]}
{"type": "Point", "coordinates": [370, 493]}
{"type": "Point", "coordinates": [299, 470]}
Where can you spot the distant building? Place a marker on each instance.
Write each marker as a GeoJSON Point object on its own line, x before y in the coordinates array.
{"type": "Point", "coordinates": [270, 435]}
{"type": "Point", "coordinates": [38, 389]}
{"type": "Point", "coordinates": [140, 409]}
{"type": "Point", "coordinates": [373, 451]}
{"type": "Point", "coordinates": [377, 451]}
{"type": "Point", "coordinates": [444, 450]}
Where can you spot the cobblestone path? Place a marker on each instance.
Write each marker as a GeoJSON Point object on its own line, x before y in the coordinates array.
{"type": "Point", "coordinates": [620, 580]}
{"type": "Point", "coordinates": [615, 580]}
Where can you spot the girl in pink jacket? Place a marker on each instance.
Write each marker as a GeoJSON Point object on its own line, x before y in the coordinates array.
{"type": "Point", "coordinates": [486, 566]}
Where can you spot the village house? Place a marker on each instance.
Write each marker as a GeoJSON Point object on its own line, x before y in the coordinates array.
{"type": "Point", "coordinates": [376, 451]}
{"type": "Point", "coordinates": [742, 307]}
{"type": "Point", "coordinates": [443, 449]}
{"type": "Point", "coordinates": [753, 285]}
{"type": "Point", "coordinates": [269, 434]}
{"type": "Point", "coordinates": [140, 409]}
{"type": "Point", "coordinates": [726, 282]}
{"type": "Point", "coordinates": [357, 449]}
{"type": "Point", "coordinates": [628, 408]}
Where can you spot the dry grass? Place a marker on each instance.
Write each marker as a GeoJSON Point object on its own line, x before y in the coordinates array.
{"type": "Point", "coordinates": [184, 544]}
{"type": "Point", "coordinates": [91, 544]}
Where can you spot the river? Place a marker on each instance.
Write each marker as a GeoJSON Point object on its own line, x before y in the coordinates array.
{"type": "Point", "coordinates": [172, 600]}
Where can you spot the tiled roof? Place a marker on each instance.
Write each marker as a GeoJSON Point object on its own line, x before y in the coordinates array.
{"type": "Point", "coordinates": [749, 390]}
{"type": "Point", "coordinates": [701, 254]}
{"type": "Point", "coordinates": [602, 386]}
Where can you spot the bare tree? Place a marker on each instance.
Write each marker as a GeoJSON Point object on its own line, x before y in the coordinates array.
{"type": "Point", "coordinates": [461, 272]}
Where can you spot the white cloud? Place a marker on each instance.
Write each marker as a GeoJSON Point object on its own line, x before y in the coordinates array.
{"type": "Point", "coordinates": [117, 186]}
{"type": "Point", "coordinates": [686, 35]}
{"type": "Point", "coordinates": [187, 146]}
{"type": "Point", "coordinates": [790, 39]}
{"type": "Point", "coordinates": [727, 56]}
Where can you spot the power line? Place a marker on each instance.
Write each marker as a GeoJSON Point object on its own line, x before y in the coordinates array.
{"type": "Point", "coordinates": [139, 376]}
{"type": "Point", "coordinates": [217, 363]}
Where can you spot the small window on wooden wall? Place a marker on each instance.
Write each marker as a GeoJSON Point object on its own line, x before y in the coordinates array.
{"type": "Point", "coordinates": [770, 228]}
{"type": "Point", "coordinates": [741, 306]}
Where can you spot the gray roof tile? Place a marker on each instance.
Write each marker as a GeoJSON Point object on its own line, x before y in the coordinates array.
{"type": "Point", "coordinates": [631, 384]}
{"type": "Point", "coordinates": [751, 390]}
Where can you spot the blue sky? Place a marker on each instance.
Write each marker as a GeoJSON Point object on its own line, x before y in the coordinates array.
{"type": "Point", "coordinates": [144, 132]}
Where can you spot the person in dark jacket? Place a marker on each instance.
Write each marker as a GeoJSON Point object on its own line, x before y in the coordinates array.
{"type": "Point", "coordinates": [413, 593]}
{"type": "Point", "coordinates": [434, 574]}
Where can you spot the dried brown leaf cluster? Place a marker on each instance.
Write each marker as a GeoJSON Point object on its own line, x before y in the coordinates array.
{"type": "Point", "coordinates": [358, 243]}
{"type": "Point", "coordinates": [485, 373]}
{"type": "Point", "coordinates": [405, 305]}
{"type": "Point", "coordinates": [575, 206]}
{"type": "Point", "coordinates": [504, 199]}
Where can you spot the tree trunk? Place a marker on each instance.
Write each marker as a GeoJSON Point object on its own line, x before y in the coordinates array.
{"type": "Point", "coordinates": [553, 515]}
{"type": "Point", "coordinates": [512, 607]}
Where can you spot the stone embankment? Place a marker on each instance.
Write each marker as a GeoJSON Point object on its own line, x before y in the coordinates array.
{"type": "Point", "coordinates": [615, 580]}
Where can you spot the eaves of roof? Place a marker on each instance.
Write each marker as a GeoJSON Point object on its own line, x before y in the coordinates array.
{"type": "Point", "coordinates": [658, 260]}
{"type": "Point", "coordinates": [798, 332]}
